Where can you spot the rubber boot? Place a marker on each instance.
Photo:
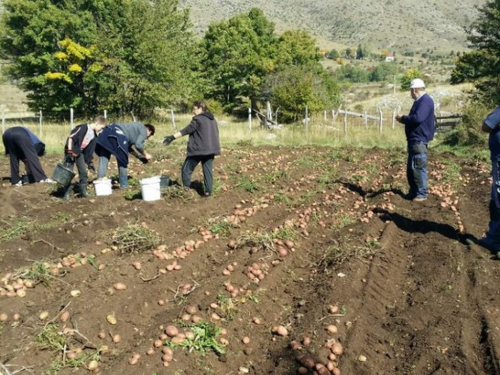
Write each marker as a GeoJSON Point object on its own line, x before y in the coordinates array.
{"type": "Point", "coordinates": [83, 190]}
{"type": "Point", "coordinates": [67, 192]}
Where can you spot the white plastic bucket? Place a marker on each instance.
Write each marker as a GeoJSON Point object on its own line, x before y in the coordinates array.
{"type": "Point", "coordinates": [150, 188]}
{"type": "Point", "coordinates": [102, 187]}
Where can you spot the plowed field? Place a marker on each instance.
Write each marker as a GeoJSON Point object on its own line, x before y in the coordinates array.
{"type": "Point", "coordinates": [298, 251]}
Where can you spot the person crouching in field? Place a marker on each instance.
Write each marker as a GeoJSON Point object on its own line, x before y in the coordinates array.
{"type": "Point", "coordinates": [120, 140]}
{"type": "Point", "coordinates": [203, 145]}
{"type": "Point", "coordinates": [22, 145]}
{"type": "Point", "coordinates": [79, 150]}
{"type": "Point", "coordinates": [491, 125]}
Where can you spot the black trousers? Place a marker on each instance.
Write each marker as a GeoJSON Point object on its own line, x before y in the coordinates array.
{"type": "Point", "coordinates": [81, 166]}
{"type": "Point", "coordinates": [19, 146]}
{"type": "Point", "coordinates": [207, 162]}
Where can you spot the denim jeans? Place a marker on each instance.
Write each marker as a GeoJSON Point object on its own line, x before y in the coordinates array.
{"type": "Point", "coordinates": [102, 169]}
{"type": "Point", "coordinates": [494, 224]}
{"type": "Point", "coordinates": [416, 169]}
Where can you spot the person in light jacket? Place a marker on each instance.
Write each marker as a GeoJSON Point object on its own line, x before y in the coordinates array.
{"type": "Point", "coordinates": [203, 145]}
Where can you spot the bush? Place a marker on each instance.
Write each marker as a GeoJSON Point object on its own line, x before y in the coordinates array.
{"type": "Point", "coordinates": [468, 131]}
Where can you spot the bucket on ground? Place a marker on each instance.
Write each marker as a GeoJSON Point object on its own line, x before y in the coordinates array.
{"type": "Point", "coordinates": [102, 187]}
{"type": "Point", "coordinates": [164, 181]}
{"type": "Point", "coordinates": [63, 175]}
{"type": "Point", "coordinates": [150, 188]}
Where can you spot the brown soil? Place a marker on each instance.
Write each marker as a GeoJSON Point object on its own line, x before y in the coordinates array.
{"type": "Point", "coordinates": [413, 296]}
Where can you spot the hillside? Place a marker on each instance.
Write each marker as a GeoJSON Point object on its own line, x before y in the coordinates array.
{"type": "Point", "coordinates": [400, 25]}
{"type": "Point", "coordinates": [394, 24]}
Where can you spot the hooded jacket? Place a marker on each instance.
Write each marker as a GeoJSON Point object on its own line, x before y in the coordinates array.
{"type": "Point", "coordinates": [203, 135]}
{"type": "Point", "coordinates": [78, 135]}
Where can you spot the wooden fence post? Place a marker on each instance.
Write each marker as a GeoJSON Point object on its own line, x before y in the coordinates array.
{"type": "Point", "coordinates": [393, 118]}
{"type": "Point", "coordinates": [3, 118]}
{"type": "Point", "coordinates": [250, 119]}
{"type": "Point", "coordinates": [40, 122]}
{"type": "Point", "coordinates": [173, 119]}
{"type": "Point", "coordinates": [71, 114]}
{"type": "Point", "coordinates": [365, 119]}
{"type": "Point", "coordinates": [306, 120]}
{"type": "Point", "coordinates": [380, 120]}
{"type": "Point", "coordinates": [105, 114]}
{"type": "Point", "coordinates": [345, 122]}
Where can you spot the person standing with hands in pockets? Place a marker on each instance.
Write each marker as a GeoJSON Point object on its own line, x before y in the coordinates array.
{"type": "Point", "coordinates": [203, 145]}
{"type": "Point", "coordinates": [419, 129]}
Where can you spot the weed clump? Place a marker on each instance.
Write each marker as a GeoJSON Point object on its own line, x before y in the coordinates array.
{"type": "Point", "coordinates": [205, 339]}
{"type": "Point", "coordinates": [135, 238]}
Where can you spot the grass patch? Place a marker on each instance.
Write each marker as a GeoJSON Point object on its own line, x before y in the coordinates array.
{"type": "Point", "coordinates": [135, 238]}
{"type": "Point", "coordinates": [178, 193]}
{"type": "Point", "coordinates": [39, 272]}
{"type": "Point", "coordinates": [51, 338]}
{"type": "Point", "coordinates": [132, 193]}
{"type": "Point", "coordinates": [262, 241]}
{"type": "Point", "coordinates": [222, 228]}
{"type": "Point", "coordinates": [285, 234]}
{"type": "Point", "coordinates": [227, 305]}
{"type": "Point", "coordinates": [247, 184]}
{"type": "Point", "coordinates": [205, 339]}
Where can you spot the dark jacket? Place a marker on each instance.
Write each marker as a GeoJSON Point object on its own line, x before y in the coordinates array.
{"type": "Point", "coordinates": [136, 134]}
{"type": "Point", "coordinates": [419, 123]}
{"type": "Point", "coordinates": [78, 135]}
{"type": "Point", "coordinates": [114, 141]}
{"type": "Point", "coordinates": [17, 132]}
{"type": "Point", "coordinates": [203, 135]}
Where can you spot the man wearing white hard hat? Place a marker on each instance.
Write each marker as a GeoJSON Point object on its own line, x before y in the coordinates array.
{"type": "Point", "coordinates": [419, 129]}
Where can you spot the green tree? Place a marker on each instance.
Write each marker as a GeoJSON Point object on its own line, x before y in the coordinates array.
{"type": "Point", "coordinates": [119, 55]}
{"type": "Point", "coordinates": [360, 53]}
{"type": "Point", "coordinates": [351, 73]}
{"type": "Point", "coordinates": [481, 65]}
{"type": "Point", "coordinates": [469, 68]}
{"type": "Point", "coordinates": [383, 72]}
{"type": "Point", "coordinates": [296, 47]}
{"type": "Point", "coordinates": [408, 76]}
{"type": "Point", "coordinates": [236, 55]}
{"type": "Point", "coordinates": [333, 54]}
{"type": "Point", "coordinates": [298, 86]}
{"type": "Point", "coordinates": [30, 33]}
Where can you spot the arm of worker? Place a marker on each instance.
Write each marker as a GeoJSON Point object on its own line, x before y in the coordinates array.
{"type": "Point", "coordinates": [492, 121]}
{"type": "Point", "coordinates": [139, 146]}
{"type": "Point", "coordinates": [191, 128]}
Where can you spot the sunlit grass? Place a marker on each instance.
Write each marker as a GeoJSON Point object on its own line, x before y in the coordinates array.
{"type": "Point", "coordinates": [236, 132]}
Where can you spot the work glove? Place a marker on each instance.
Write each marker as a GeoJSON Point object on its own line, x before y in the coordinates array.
{"type": "Point", "coordinates": [72, 153]}
{"type": "Point", "coordinates": [169, 139]}
{"type": "Point", "coordinates": [91, 167]}
{"type": "Point", "coordinates": [143, 159]}
{"type": "Point", "coordinates": [69, 159]}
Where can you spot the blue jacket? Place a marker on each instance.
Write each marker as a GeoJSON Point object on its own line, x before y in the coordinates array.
{"type": "Point", "coordinates": [113, 140]}
{"type": "Point", "coordinates": [419, 123]}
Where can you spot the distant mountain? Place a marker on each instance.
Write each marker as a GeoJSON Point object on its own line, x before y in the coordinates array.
{"type": "Point", "coordinates": [393, 24]}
